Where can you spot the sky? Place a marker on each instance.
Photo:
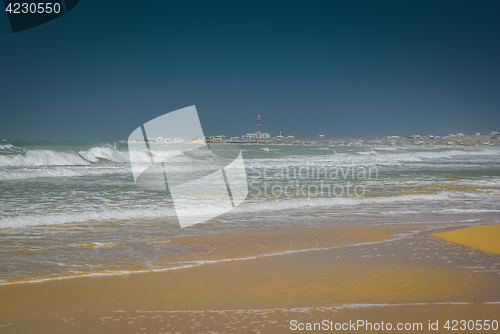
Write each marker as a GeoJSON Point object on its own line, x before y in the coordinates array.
{"type": "Point", "coordinates": [345, 69]}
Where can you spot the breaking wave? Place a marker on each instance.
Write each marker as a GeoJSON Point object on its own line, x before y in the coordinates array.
{"type": "Point", "coordinates": [159, 212]}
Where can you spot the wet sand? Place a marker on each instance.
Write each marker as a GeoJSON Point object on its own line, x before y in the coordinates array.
{"type": "Point", "coordinates": [355, 276]}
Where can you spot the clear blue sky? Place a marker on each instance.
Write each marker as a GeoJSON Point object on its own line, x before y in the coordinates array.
{"type": "Point", "coordinates": [341, 68]}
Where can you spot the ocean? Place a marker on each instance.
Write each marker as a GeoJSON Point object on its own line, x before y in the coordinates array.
{"type": "Point", "coordinates": [72, 208]}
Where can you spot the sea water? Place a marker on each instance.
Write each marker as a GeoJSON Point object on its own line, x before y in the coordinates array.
{"type": "Point", "coordinates": [72, 208]}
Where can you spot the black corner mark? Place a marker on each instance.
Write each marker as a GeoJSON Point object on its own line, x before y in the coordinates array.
{"type": "Point", "coordinates": [26, 14]}
{"type": "Point", "coordinates": [70, 4]}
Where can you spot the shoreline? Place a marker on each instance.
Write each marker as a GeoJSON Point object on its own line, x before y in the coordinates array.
{"type": "Point", "coordinates": [218, 246]}
{"type": "Point", "coordinates": [402, 274]}
{"type": "Point", "coordinates": [243, 246]}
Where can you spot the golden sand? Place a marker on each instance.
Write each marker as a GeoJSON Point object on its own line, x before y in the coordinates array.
{"type": "Point", "coordinates": [295, 280]}
{"type": "Point", "coordinates": [483, 237]}
{"type": "Point", "coordinates": [202, 297]}
{"type": "Point", "coordinates": [255, 243]}
{"type": "Point", "coordinates": [97, 245]}
{"type": "Point", "coordinates": [238, 245]}
{"type": "Point", "coordinates": [435, 188]}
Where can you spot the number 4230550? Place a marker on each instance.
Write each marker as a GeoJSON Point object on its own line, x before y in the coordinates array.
{"type": "Point", "coordinates": [32, 8]}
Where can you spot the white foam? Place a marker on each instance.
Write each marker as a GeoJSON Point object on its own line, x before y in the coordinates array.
{"type": "Point", "coordinates": [25, 173]}
{"type": "Point", "coordinates": [59, 158]}
{"type": "Point", "coordinates": [107, 153]}
{"type": "Point", "coordinates": [155, 211]}
{"type": "Point", "coordinates": [266, 205]}
{"type": "Point", "coordinates": [388, 158]}
{"type": "Point", "coordinates": [43, 158]}
{"type": "Point", "coordinates": [386, 148]}
{"type": "Point", "coordinates": [84, 217]}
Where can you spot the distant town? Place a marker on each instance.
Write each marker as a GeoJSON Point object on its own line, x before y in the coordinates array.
{"type": "Point", "coordinates": [458, 139]}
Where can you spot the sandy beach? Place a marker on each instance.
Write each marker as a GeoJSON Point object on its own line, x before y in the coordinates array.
{"type": "Point", "coordinates": [260, 281]}
{"type": "Point", "coordinates": [249, 167]}
{"type": "Point", "coordinates": [483, 237]}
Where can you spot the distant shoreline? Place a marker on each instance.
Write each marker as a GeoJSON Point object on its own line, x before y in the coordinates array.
{"type": "Point", "coordinates": [440, 142]}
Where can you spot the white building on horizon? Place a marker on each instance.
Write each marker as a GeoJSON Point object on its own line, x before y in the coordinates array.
{"type": "Point", "coordinates": [254, 135]}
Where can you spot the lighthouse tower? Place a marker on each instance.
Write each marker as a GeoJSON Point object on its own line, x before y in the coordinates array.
{"type": "Point", "coordinates": [258, 126]}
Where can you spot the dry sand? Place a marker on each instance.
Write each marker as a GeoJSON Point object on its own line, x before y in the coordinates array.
{"type": "Point", "coordinates": [483, 237]}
